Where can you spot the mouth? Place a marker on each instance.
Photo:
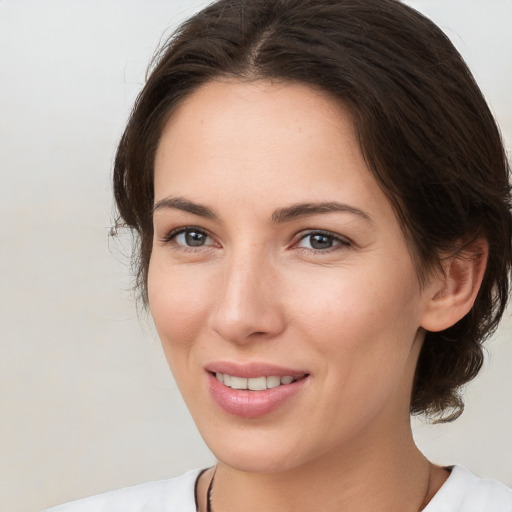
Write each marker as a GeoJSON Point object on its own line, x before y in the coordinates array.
{"type": "Point", "coordinates": [254, 390]}
{"type": "Point", "coordinates": [255, 383]}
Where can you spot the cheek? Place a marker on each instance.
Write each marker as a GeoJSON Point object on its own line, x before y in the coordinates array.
{"type": "Point", "coordinates": [357, 319]}
{"type": "Point", "coordinates": [352, 298]}
{"type": "Point", "coordinates": [364, 330]}
{"type": "Point", "coordinates": [178, 304]}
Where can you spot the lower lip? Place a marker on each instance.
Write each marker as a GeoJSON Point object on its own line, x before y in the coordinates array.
{"type": "Point", "coordinates": [252, 404]}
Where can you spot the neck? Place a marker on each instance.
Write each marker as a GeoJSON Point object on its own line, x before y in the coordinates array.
{"type": "Point", "coordinates": [389, 474]}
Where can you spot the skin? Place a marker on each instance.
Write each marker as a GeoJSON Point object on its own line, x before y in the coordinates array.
{"type": "Point", "coordinates": [350, 314]}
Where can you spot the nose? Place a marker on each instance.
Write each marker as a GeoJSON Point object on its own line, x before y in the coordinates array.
{"type": "Point", "coordinates": [248, 301]}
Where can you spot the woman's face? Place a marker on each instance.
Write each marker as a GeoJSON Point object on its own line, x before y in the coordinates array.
{"type": "Point", "coordinates": [277, 255]}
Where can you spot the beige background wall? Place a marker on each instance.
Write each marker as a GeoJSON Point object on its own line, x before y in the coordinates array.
{"type": "Point", "coordinates": [87, 402]}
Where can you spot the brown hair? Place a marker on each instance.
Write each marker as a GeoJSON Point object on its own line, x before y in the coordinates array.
{"type": "Point", "coordinates": [424, 128]}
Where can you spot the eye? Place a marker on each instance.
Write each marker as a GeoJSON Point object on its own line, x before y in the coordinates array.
{"type": "Point", "coordinates": [321, 241]}
{"type": "Point", "coordinates": [189, 237]}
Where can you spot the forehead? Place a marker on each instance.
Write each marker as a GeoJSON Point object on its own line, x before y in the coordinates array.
{"type": "Point", "coordinates": [229, 112]}
{"type": "Point", "coordinates": [283, 142]}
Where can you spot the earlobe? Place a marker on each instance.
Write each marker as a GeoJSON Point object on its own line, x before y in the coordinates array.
{"type": "Point", "coordinates": [451, 294]}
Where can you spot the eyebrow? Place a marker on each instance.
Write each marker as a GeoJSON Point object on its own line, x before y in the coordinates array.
{"type": "Point", "coordinates": [180, 203]}
{"type": "Point", "coordinates": [298, 210]}
{"type": "Point", "coordinates": [295, 211]}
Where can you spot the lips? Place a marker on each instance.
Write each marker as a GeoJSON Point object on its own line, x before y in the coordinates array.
{"type": "Point", "coordinates": [253, 390]}
{"type": "Point", "coordinates": [253, 369]}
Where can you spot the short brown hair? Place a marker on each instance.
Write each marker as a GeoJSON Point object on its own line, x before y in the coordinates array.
{"type": "Point", "coordinates": [424, 128]}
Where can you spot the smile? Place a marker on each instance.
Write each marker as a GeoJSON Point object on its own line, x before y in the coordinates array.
{"type": "Point", "coordinates": [254, 383]}
{"type": "Point", "coordinates": [253, 390]}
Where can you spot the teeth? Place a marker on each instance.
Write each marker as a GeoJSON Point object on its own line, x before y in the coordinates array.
{"type": "Point", "coordinates": [238, 383]}
{"type": "Point", "coordinates": [257, 384]}
{"type": "Point", "coordinates": [273, 382]}
{"type": "Point", "coordinates": [253, 383]}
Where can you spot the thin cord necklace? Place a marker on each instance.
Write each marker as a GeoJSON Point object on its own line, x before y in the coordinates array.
{"type": "Point", "coordinates": [429, 485]}
{"type": "Point", "coordinates": [209, 493]}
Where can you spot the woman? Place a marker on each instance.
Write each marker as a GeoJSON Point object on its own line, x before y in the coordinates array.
{"type": "Point", "coordinates": [322, 205]}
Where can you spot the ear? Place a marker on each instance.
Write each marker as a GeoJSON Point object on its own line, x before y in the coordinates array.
{"type": "Point", "coordinates": [451, 294]}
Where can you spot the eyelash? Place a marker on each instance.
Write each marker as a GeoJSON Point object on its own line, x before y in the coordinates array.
{"type": "Point", "coordinates": [342, 243]}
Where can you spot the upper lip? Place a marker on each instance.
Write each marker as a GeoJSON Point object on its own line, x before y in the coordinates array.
{"type": "Point", "coordinates": [253, 369]}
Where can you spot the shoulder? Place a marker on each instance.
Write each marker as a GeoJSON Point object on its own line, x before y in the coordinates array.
{"type": "Point", "coordinates": [173, 495]}
{"type": "Point", "coordinates": [465, 492]}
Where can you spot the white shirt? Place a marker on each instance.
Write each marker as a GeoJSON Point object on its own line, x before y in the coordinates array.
{"type": "Point", "coordinates": [462, 492]}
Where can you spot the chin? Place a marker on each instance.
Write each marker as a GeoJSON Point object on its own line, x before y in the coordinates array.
{"type": "Point", "coordinates": [262, 462]}
{"type": "Point", "coordinates": [257, 452]}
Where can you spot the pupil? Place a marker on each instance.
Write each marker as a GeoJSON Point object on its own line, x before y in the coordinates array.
{"type": "Point", "coordinates": [194, 238]}
{"type": "Point", "coordinates": [321, 242]}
